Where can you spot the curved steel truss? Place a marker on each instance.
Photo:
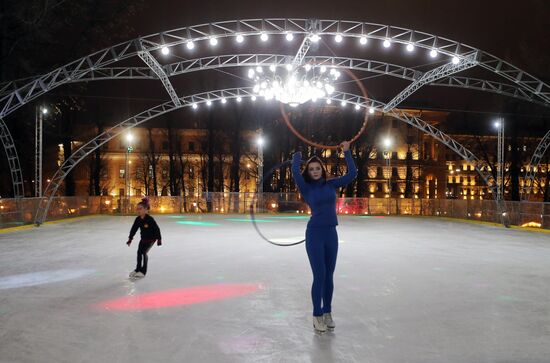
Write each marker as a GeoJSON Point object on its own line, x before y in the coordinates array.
{"type": "Point", "coordinates": [528, 87]}
{"type": "Point", "coordinates": [250, 60]}
{"type": "Point", "coordinates": [242, 93]}
{"type": "Point", "coordinates": [80, 67]}
{"type": "Point", "coordinates": [13, 160]}
{"type": "Point", "coordinates": [534, 165]}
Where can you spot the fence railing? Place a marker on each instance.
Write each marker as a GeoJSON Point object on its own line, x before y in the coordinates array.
{"type": "Point", "coordinates": [15, 212]}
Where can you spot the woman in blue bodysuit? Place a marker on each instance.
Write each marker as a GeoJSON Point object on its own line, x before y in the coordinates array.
{"type": "Point", "coordinates": [321, 237]}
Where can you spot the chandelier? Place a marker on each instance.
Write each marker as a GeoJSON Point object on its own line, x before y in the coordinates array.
{"type": "Point", "coordinates": [294, 85]}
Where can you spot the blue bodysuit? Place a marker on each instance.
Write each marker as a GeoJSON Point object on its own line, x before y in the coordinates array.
{"type": "Point", "coordinates": [321, 236]}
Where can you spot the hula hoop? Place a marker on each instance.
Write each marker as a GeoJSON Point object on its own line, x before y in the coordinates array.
{"type": "Point", "coordinates": [252, 217]}
{"type": "Point", "coordinates": [321, 146]}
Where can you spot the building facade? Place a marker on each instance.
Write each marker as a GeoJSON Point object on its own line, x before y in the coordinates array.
{"type": "Point", "coordinates": [165, 162]}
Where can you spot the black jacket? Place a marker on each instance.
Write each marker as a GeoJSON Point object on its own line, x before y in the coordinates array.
{"type": "Point", "coordinates": [148, 227]}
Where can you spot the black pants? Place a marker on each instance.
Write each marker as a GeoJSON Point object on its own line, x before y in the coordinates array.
{"type": "Point", "coordinates": [144, 247]}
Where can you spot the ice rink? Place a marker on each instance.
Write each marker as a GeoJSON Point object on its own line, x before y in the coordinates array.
{"type": "Point", "coordinates": [406, 290]}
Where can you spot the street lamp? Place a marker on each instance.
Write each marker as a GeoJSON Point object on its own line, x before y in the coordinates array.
{"type": "Point", "coordinates": [129, 149]}
{"type": "Point", "coordinates": [387, 143]}
{"type": "Point", "coordinates": [41, 111]}
{"type": "Point", "coordinates": [260, 141]}
{"type": "Point", "coordinates": [499, 125]}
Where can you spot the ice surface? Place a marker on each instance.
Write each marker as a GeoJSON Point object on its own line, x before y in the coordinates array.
{"type": "Point", "coordinates": [406, 290]}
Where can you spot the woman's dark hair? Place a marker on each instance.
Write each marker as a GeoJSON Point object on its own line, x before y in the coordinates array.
{"type": "Point", "coordinates": [145, 203]}
{"type": "Point", "coordinates": [314, 159]}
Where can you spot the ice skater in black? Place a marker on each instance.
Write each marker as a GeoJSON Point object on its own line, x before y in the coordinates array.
{"type": "Point", "coordinates": [150, 233]}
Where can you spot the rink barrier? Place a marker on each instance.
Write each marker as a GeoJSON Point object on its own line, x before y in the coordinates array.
{"type": "Point", "coordinates": [19, 212]}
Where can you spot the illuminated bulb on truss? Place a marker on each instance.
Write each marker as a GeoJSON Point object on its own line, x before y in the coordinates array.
{"type": "Point", "coordinates": [289, 37]}
{"type": "Point", "coordinates": [386, 43]}
{"type": "Point", "coordinates": [433, 53]}
{"type": "Point", "coordinates": [363, 40]}
{"type": "Point", "coordinates": [338, 38]}
{"type": "Point", "coordinates": [190, 45]}
{"type": "Point", "coordinates": [315, 38]}
{"type": "Point", "coordinates": [240, 38]}
{"type": "Point", "coordinates": [165, 50]}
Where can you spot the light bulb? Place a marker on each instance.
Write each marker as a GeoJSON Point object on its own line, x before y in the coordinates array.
{"type": "Point", "coordinates": [240, 38]}
{"type": "Point", "coordinates": [165, 50]}
{"type": "Point", "coordinates": [363, 40]}
{"type": "Point", "coordinates": [190, 45]}
{"type": "Point", "coordinates": [433, 53]}
{"type": "Point", "coordinates": [386, 43]}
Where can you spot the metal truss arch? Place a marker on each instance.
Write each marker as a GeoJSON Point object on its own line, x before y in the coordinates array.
{"type": "Point", "coordinates": [534, 166]}
{"type": "Point", "coordinates": [245, 60]}
{"type": "Point", "coordinates": [17, 95]}
{"type": "Point", "coordinates": [13, 160]}
{"type": "Point", "coordinates": [80, 67]}
{"type": "Point", "coordinates": [233, 93]}
{"type": "Point", "coordinates": [37, 86]}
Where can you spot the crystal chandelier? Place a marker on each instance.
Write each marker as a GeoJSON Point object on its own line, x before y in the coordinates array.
{"type": "Point", "coordinates": [296, 85]}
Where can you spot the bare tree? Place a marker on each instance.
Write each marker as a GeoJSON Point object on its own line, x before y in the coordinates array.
{"type": "Point", "coordinates": [174, 172]}
{"type": "Point", "coordinates": [153, 161]}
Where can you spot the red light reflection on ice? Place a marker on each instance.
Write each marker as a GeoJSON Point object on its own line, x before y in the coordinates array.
{"type": "Point", "coordinates": [178, 297]}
